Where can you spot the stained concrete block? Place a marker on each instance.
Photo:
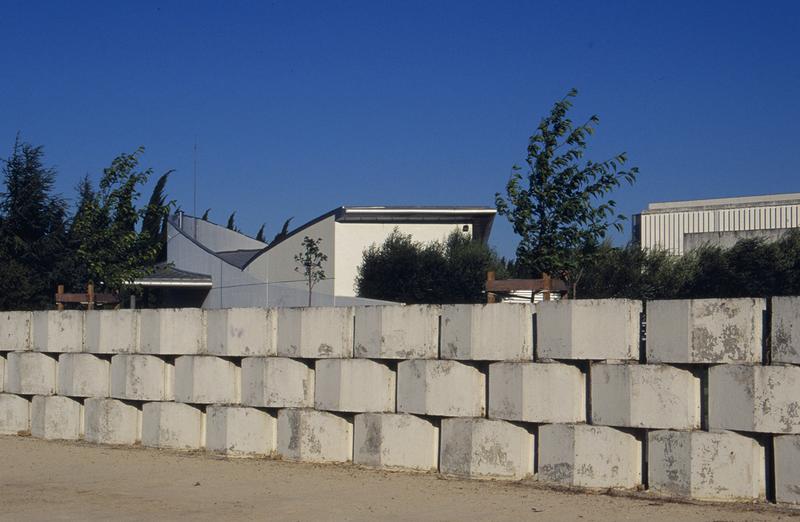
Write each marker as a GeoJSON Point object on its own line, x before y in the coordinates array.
{"type": "Point", "coordinates": [754, 398]}
{"type": "Point", "coordinates": [786, 330]}
{"type": "Point", "coordinates": [485, 448]}
{"type": "Point", "coordinates": [445, 388]}
{"type": "Point", "coordinates": [15, 414]}
{"type": "Point", "coordinates": [2, 372]}
{"type": "Point", "coordinates": [397, 332]}
{"type": "Point", "coordinates": [314, 436]}
{"type": "Point", "coordinates": [589, 456]}
{"type": "Point", "coordinates": [15, 331]}
{"type": "Point", "coordinates": [205, 379]}
{"type": "Point", "coordinates": [537, 392]}
{"type": "Point", "coordinates": [111, 331]}
{"type": "Point", "coordinates": [487, 332]}
{"type": "Point", "coordinates": [705, 331]}
{"type": "Point", "coordinates": [172, 331]}
{"type": "Point", "coordinates": [787, 468]}
{"type": "Point", "coordinates": [55, 417]}
{"type": "Point", "coordinates": [242, 332]}
{"type": "Point", "coordinates": [236, 430]}
{"type": "Point", "coordinates": [142, 378]}
{"type": "Point", "coordinates": [395, 440]}
{"type": "Point", "coordinates": [83, 375]}
{"type": "Point", "coordinates": [277, 382]}
{"type": "Point", "coordinates": [707, 466]}
{"type": "Point", "coordinates": [354, 385]}
{"type": "Point", "coordinates": [315, 333]}
{"type": "Point", "coordinates": [110, 421]}
{"type": "Point", "coordinates": [57, 331]}
{"type": "Point", "coordinates": [30, 373]}
{"type": "Point", "coordinates": [644, 396]}
{"type": "Point", "coordinates": [173, 425]}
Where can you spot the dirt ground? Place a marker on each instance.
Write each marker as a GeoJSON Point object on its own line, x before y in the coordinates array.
{"type": "Point", "coordinates": [75, 481]}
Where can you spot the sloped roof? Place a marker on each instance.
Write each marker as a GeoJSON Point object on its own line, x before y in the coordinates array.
{"type": "Point", "coordinates": [168, 275]}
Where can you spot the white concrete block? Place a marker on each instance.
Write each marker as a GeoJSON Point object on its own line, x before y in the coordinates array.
{"type": "Point", "coordinates": [488, 332]}
{"type": "Point", "coordinates": [787, 468]}
{"type": "Point", "coordinates": [111, 331]}
{"type": "Point", "coordinates": [445, 388]}
{"type": "Point", "coordinates": [172, 425]}
{"type": "Point", "coordinates": [142, 378]}
{"type": "Point", "coordinates": [30, 373]}
{"type": "Point", "coordinates": [242, 332]}
{"type": "Point", "coordinates": [397, 332]}
{"type": "Point", "coordinates": [754, 398]}
{"type": "Point", "coordinates": [57, 332]}
{"type": "Point", "coordinates": [55, 417]}
{"type": "Point", "coordinates": [15, 414]}
{"type": "Point", "coordinates": [537, 392]}
{"type": "Point", "coordinates": [15, 331]}
{"type": "Point", "coordinates": [277, 382]}
{"type": "Point", "coordinates": [315, 333]}
{"type": "Point", "coordinates": [485, 448]}
{"type": "Point", "coordinates": [786, 330]}
{"type": "Point", "coordinates": [2, 372]}
{"type": "Point", "coordinates": [644, 396]}
{"type": "Point", "coordinates": [83, 375]}
{"type": "Point", "coordinates": [110, 421]}
{"type": "Point", "coordinates": [240, 431]}
{"type": "Point", "coordinates": [395, 440]}
{"type": "Point", "coordinates": [172, 331]}
{"type": "Point", "coordinates": [354, 385]}
{"type": "Point", "coordinates": [589, 456]}
{"type": "Point", "coordinates": [314, 436]}
{"type": "Point", "coordinates": [706, 466]}
{"type": "Point", "coordinates": [705, 331]}
{"type": "Point", "coordinates": [205, 379]}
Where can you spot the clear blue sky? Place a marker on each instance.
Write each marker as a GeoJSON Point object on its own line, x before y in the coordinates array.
{"type": "Point", "coordinates": [301, 107]}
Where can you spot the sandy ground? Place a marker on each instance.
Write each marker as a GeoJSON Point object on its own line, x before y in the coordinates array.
{"type": "Point", "coordinates": [75, 481]}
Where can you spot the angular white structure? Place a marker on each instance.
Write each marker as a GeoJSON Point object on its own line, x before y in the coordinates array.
{"type": "Point", "coordinates": [593, 329]}
{"type": "Point", "coordinates": [55, 417]}
{"type": "Point", "coordinates": [487, 332]}
{"type": "Point", "coordinates": [172, 425]}
{"type": "Point", "coordinates": [395, 440]}
{"type": "Point", "coordinates": [83, 375]}
{"type": "Point", "coordinates": [354, 385]}
{"type": "Point", "coordinates": [15, 414]}
{"type": "Point", "coordinates": [235, 430]}
{"type": "Point", "coordinates": [314, 436]}
{"type": "Point", "coordinates": [172, 331]}
{"type": "Point", "coordinates": [30, 373]}
{"type": "Point", "coordinates": [786, 330]}
{"type": "Point", "coordinates": [443, 388]}
{"type": "Point", "coordinates": [397, 332]}
{"type": "Point", "coordinates": [57, 331]}
{"type": "Point", "coordinates": [644, 396]}
{"type": "Point", "coordinates": [589, 456]}
{"type": "Point", "coordinates": [110, 421]}
{"type": "Point", "coordinates": [242, 332]}
{"type": "Point", "coordinates": [537, 392]}
{"type": "Point", "coordinates": [485, 448]}
{"type": "Point", "coordinates": [142, 378]}
{"type": "Point", "coordinates": [315, 333]}
{"type": "Point", "coordinates": [111, 331]}
{"type": "Point", "coordinates": [706, 466]}
{"type": "Point", "coordinates": [15, 331]}
{"type": "Point", "coordinates": [705, 331]}
{"type": "Point", "coordinates": [277, 382]}
{"type": "Point", "coordinates": [205, 379]}
{"type": "Point", "coordinates": [787, 468]}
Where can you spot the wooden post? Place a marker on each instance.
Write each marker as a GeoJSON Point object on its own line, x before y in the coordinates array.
{"type": "Point", "coordinates": [90, 296]}
{"type": "Point", "coordinates": [490, 297]}
{"type": "Point", "coordinates": [59, 293]}
{"type": "Point", "coordinates": [547, 284]}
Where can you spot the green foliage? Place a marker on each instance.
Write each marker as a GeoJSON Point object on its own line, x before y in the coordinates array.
{"type": "Point", "coordinates": [205, 214]}
{"type": "Point", "coordinates": [260, 234]}
{"type": "Point", "coordinates": [232, 222]}
{"type": "Point", "coordinates": [309, 263]}
{"type": "Point", "coordinates": [283, 234]}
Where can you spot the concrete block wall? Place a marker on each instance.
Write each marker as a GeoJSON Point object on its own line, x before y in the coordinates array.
{"type": "Point", "coordinates": [694, 398]}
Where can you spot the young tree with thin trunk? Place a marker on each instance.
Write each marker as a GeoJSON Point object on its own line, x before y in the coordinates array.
{"type": "Point", "coordinates": [309, 263]}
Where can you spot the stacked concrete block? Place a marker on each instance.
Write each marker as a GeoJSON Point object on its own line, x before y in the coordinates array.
{"type": "Point", "coordinates": [492, 332]}
{"type": "Point", "coordinates": [644, 396]}
{"type": "Point", "coordinates": [315, 333]}
{"type": "Point", "coordinates": [786, 330]}
{"type": "Point", "coordinates": [314, 436]}
{"type": "Point", "coordinates": [485, 448]}
{"type": "Point", "coordinates": [537, 392]}
{"type": "Point", "coordinates": [754, 398]}
{"type": "Point", "coordinates": [56, 417]}
{"type": "Point", "coordinates": [395, 440]}
{"type": "Point", "coordinates": [172, 425]}
{"type": "Point", "coordinates": [174, 331]}
{"type": "Point", "coordinates": [110, 421]}
{"type": "Point", "coordinates": [2, 372]}
{"type": "Point", "coordinates": [787, 468]}
{"type": "Point", "coordinates": [277, 382]}
{"type": "Point", "coordinates": [30, 373]}
{"type": "Point", "coordinates": [83, 375]}
{"type": "Point", "coordinates": [111, 331]}
{"type": "Point", "coordinates": [205, 379]}
{"type": "Point", "coordinates": [589, 456]}
{"type": "Point", "coordinates": [142, 378]}
{"type": "Point", "coordinates": [57, 331]}
{"type": "Point", "coordinates": [15, 414]}
{"type": "Point", "coordinates": [589, 329]}
{"type": "Point", "coordinates": [354, 385]}
{"type": "Point", "coordinates": [237, 430]}
{"type": "Point", "coordinates": [705, 465]}
{"type": "Point", "coordinates": [444, 388]}
{"type": "Point", "coordinates": [397, 332]}
{"type": "Point", "coordinates": [705, 331]}
{"type": "Point", "coordinates": [15, 331]}
{"type": "Point", "coordinates": [241, 332]}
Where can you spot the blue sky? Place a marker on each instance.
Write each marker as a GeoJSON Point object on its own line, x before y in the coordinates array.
{"type": "Point", "coordinates": [300, 107]}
